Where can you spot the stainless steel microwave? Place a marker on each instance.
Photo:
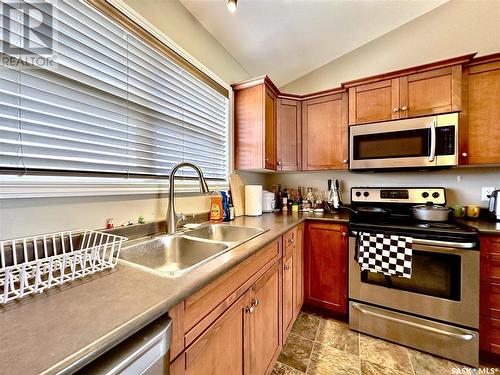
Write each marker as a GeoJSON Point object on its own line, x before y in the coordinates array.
{"type": "Point", "coordinates": [423, 142]}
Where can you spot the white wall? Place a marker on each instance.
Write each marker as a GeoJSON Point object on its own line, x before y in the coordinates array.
{"type": "Point", "coordinates": [463, 184]}
{"type": "Point", "coordinates": [456, 28]}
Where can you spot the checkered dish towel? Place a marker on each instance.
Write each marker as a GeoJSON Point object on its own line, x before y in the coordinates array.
{"type": "Point", "coordinates": [385, 253]}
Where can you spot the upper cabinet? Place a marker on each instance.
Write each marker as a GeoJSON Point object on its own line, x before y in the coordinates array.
{"type": "Point", "coordinates": [424, 90]}
{"type": "Point", "coordinates": [255, 116]}
{"type": "Point", "coordinates": [480, 120]}
{"type": "Point", "coordinates": [289, 136]}
{"type": "Point", "coordinates": [324, 132]}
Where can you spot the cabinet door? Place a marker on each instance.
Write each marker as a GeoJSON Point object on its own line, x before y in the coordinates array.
{"type": "Point", "coordinates": [269, 129]}
{"type": "Point", "coordinates": [265, 322]}
{"type": "Point", "coordinates": [372, 102]}
{"type": "Point", "coordinates": [288, 305]}
{"type": "Point", "coordinates": [325, 260]}
{"type": "Point", "coordinates": [298, 271]}
{"type": "Point", "coordinates": [289, 135]}
{"type": "Point", "coordinates": [324, 132]}
{"type": "Point", "coordinates": [480, 133]}
{"type": "Point", "coordinates": [431, 92]}
{"type": "Point", "coordinates": [222, 348]}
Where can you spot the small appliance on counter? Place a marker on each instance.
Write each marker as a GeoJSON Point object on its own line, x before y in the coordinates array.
{"type": "Point", "coordinates": [253, 200]}
{"type": "Point", "coordinates": [494, 205]}
{"type": "Point", "coordinates": [419, 284]}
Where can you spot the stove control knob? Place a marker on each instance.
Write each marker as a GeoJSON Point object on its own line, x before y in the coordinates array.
{"type": "Point", "coordinates": [358, 194]}
{"type": "Point", "coordinates": [435, 195]}
{"type": "Point", "coordinates": [425, 194]}
{"type": "Point", "coordinates": [366, 193]}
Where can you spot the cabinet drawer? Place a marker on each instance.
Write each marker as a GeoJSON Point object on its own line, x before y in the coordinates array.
{"type": "Point", "coordinates": [207, 299]}
{"type": "Point", "coordinates": [289, 238]}
{"type": "Point", "coordinates": [490, 299]}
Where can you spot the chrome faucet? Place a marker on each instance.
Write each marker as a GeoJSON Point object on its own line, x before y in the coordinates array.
{"type": "Point", "coordinates": [173, 218]}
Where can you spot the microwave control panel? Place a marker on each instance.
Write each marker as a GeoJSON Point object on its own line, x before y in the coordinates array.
{"type": "Point", "coordinates": [445, 140]}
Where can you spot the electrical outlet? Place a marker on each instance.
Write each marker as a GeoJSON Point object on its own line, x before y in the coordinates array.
{"type": "Point", "coordinates": [485, 192]}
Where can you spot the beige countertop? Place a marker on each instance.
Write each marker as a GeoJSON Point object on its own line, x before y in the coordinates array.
{"type": "Point", "coordinates": [484, 226]}
{"type": "Point", "coordinates": [61, 329]}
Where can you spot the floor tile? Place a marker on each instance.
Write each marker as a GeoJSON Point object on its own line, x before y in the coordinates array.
{"type": "Point", "coordinates": [384, 353]}
{"type": "Point", "coordinates": [282, 369]}
{"type": "Point", "coordinates": [338, 336]}
{"type": "Point", "coordinates": [370, 368]}
{"type": "Point", "coordinates": [427, 364]}
{"type": "Point", "coordinates": [296, 352]}
{"type": "Point", "coordinates": [306, 326]}
{"type": "Point", "coordinates": [326, 360]}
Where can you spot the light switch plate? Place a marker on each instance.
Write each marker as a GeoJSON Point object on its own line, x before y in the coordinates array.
{"type": "Point", "coordinates": [485, 191]}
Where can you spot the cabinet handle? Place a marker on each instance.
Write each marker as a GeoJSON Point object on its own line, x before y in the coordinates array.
{"type": "Point", "coordinates": [395, 110]}
{"type": "Point", "coordinates": [404, 108]}
{"type": "Point", "coordinates": [255, 302]}
{"type": "Point", "coordinates": [249, 309]}
{"type": "Point", "coordinates": [464, 154]}
{"type": "Point", "coordinates": [345, 161]}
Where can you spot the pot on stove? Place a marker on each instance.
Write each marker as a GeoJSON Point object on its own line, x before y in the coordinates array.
{"type": "Point", "coordinates": [431, 212]}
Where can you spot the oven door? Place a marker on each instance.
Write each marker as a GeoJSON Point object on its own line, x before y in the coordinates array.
{"type": "Point", "coordinates": [411, 143]}
{"type": "Point", "coordinates": [444, 284]}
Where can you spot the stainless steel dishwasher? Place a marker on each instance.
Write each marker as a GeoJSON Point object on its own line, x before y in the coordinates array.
{"type": "Point", "coordinates": [145, 352]}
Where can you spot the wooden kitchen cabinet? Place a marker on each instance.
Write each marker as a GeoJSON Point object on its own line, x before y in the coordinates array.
{"type": "Point", "coordinates": [489, 323]}
{"type": "Point", "coordinates": [288, 288]}
{"type": "Point", "coordinates": [480, 120]}
{"type": "Point", "coordinates": [298, 271]}
{"type": "Point", "coordinates": [289, 137]}
{"type": "Point", "coordinates": [265, 322]}
{"type": "Point", "coordinates": [419, 91]}
{"type": "Point", "coordinates": [325, 262]}
{"type": "Point", "coordinates": [324, 132]}
{"type": "Point", "coordinates": [255, 118]}
{"type": "Point", "coordinates": [222, 348]}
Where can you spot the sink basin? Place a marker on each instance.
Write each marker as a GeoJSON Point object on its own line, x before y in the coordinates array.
{"type": "Point", "coordinates": [224, 233]}
{"type": "Point", "coordinates": [171, 255]}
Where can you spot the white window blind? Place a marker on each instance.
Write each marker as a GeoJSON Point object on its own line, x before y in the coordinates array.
{"type": "Point", "coordinates": [112, 105]}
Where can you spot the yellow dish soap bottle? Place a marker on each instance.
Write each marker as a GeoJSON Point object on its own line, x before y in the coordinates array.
{"type": "Point", "coordinates": [216, 210]}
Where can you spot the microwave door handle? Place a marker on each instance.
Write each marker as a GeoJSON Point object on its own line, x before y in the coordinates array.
{"type": "Point", "coordinates": [432, 153]}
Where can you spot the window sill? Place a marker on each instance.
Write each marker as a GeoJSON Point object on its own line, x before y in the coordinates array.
{"type": "Point", "coordinates": [15, 187]}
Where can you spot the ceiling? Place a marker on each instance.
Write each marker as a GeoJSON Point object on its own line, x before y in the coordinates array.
{"type": "Point", "coordinates": [286, 39]}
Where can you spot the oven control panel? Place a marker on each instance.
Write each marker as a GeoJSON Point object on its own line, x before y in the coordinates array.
{"type": "Point", "coordinates": [398, 195]}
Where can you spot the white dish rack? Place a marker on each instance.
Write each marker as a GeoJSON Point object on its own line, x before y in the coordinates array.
{"type": "Point", "coordinates": [33, 264]}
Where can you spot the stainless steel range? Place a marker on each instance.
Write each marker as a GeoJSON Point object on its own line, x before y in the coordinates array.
{"type": "Point", "coordinates": [437, 309]}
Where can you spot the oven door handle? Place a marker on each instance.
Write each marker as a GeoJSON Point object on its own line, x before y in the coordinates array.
{"type": "Point", "coordinates": [464, 336]}
{"type": "Point", "coordinates": [432, 152]}
{"type": "Point", "coordinates": [422, 241]}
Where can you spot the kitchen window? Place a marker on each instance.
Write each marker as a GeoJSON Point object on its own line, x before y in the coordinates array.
{"type": "Point", "coordinates": [109, 105]}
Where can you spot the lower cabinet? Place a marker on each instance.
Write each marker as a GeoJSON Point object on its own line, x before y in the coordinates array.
{"type": "Point", "coordinates": [288, 288]}
{"type": "Point", "coordinates": [223, 347]}
{"type": "Point", "coordinates": [325, 261]}
{"type": "Point", "coordinates": [298, 271]}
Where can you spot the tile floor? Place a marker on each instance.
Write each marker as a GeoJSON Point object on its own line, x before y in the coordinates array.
{"type": "Point", "coordinates": [323, 346]}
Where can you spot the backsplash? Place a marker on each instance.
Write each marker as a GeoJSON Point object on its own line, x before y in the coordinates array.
{"type": "Point", "coordinates": [463, 185]}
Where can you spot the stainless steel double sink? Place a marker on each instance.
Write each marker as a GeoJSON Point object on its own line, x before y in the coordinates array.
{"type": "Point", "coordinates": [173, 255]}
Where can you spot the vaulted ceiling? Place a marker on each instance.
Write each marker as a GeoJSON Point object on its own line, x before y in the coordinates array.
{"type": "Point", "coordinates": [289, 38]}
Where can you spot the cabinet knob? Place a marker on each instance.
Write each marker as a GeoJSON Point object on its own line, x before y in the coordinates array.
{"type": "Point", "coordinates": [279, 163]}
{"type": "Point", "coordinates": [267, 160]}
{"type": "Point", "coordinates": [255, 302]}
{"type": "Point", "coordinates": [287, 267]}
{"type": "Point", "coordinates": [344, 234]}
{"type": "Point", "coordinates": [345, 161]}
{"type": "Point", "coordinates": [249, 309]}
{"type": "Point", "coordinates": [464, 154]}
{"type": "Point", "coordinates": [395, 110]}
{"type": "Point", "coordinates": [404, 108]}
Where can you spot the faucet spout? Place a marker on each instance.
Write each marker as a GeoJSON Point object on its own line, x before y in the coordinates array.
{"type": "Point", "coordinates": [172, 216]}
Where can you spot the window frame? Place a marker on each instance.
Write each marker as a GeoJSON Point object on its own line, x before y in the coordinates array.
{"type": "Point", "coordinates": [13, 186]}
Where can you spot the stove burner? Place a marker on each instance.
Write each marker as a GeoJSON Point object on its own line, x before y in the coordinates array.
{"type": "Point", "coordinates": [438, 225]}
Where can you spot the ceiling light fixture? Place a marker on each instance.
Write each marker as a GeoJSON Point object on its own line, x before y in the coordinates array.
{"type": "Point", "coordinates": [231, 5]}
